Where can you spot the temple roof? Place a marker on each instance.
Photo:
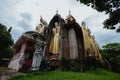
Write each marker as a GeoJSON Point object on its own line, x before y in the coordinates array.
{"type": "Point", "coordinates": [28, 37]}
{"type": "Point", "coordinates": [56, 18]}
{"type": "Point", "coordinates": [69, 18]}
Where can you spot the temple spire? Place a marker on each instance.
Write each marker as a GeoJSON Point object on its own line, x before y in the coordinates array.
{"type": "Point", "coordinates": [57, 11]}
{"type": "Point", "coordinates": [40, 18]}
{"type": "Point", "coordinates": [69, 12]}
{"type": "Point", "coordinates": [43, 21]}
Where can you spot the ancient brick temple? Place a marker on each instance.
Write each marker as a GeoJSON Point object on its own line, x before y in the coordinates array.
{"type": "Point", "coordinates": [61, 39]}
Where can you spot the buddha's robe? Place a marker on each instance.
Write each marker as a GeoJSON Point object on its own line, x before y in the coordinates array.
{"type": "Point", "coordinates": [73, 48]}
{"type": "Point", "coordinates": [37, 56]}
{"type": "Point", "coordinates": [54, 43]}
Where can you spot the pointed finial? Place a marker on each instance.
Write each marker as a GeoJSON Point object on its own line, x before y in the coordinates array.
{"type": "Point", "coordinates": [36, 25]}
{"type": "Point", "coordinates": [40, 18]}
{"type": "Point", "coordinates": [57, 11]}
{"type": "Point", "coordinates": [69, 12]}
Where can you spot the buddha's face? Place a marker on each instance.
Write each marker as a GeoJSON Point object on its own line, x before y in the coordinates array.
{"type": "Point", "coordinates": [83, 24]}
{"type": "Point", "coordinates": [56, 23]}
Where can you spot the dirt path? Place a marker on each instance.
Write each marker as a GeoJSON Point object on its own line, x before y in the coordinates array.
{"type": "Point", "coordinates": [6, 74]}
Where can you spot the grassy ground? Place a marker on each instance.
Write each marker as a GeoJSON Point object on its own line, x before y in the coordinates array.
{"type": "Point", "coordinates": [6, 74]}
{"type": "Point", "coordinates": [58, 75]}
{"type": "Point", "coordinates": [3, 69]}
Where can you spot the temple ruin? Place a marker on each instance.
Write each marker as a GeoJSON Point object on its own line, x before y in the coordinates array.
{"type": "Point", "coordinates": [61, 39]}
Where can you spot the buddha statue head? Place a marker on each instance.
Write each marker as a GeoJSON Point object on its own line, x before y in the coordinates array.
{"type": "Point", "coordinates": [56, 24]}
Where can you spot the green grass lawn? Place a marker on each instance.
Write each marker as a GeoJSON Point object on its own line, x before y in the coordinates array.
{"type": "Point", "coordinates": [59, 75]}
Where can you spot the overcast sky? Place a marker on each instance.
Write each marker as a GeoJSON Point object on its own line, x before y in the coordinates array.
{"type": "Point", "coordinates": [23, 15]}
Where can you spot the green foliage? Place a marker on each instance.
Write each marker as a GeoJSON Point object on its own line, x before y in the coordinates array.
{"type": "Point", "coordinates": [77, 65]}
{"type": "Point", "coordinates": [111, 7]}
{"type": "Point", "coordinates": [71, 65]}
{"type": "Point", "coordinates": [65, 65]}
{"type": "Point", "coordinates": [58, 75]}
{"type": "Point", "coordinates": [91, 63]}
{"type": "Point", "coordinates": [111, 52]}
{"type": "Point", "coordinates": [6, 42]}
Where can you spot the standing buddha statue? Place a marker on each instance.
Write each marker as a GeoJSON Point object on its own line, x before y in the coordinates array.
{"type": "Point", "coordinates": [54, 43]}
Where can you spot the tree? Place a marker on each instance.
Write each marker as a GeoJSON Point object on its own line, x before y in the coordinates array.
{"type": "Point", "coordinates": [111, 52]}
{"type": "Point", "coordinates": [6, 42]}
{"type": "Point", "coordinates": [111, 7]}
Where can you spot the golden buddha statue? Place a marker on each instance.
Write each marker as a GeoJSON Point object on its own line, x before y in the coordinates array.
{"type": "Point", "coordinates": [39, 28]}
{"type": "Point", "coordinates": [54, 43]}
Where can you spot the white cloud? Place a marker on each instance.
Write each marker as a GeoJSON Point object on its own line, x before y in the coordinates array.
{"type": "Point", "coordinates": [23, 15]}
{"type": "Point", "coordinates": [102, 35]}
{"type": "Point", "coordinates": [9, 16]}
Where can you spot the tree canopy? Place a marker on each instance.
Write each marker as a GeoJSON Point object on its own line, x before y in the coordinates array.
{"type": "Point", "coordinates": [111, 7]}
{"type": "Point", "coordinates": [111, 52]}
{"type": "Point", "coordinates": [6, 42]}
